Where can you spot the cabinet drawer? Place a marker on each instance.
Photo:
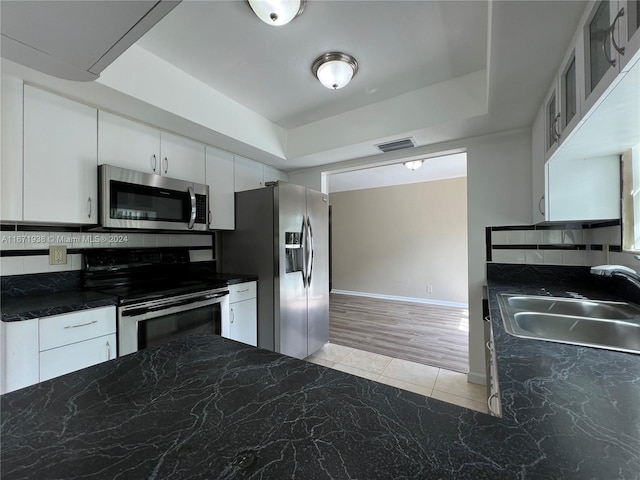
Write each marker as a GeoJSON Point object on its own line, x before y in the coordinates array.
{"type": "Point", "coordinates": [67, 359]}
{"type": "Point", "coordinates": [59, 330]}
{"type": "Point", "coordinates": [242, 291]}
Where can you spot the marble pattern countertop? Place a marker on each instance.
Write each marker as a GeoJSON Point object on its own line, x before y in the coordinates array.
{"type": "Point", "coordinates": [15, 309]}
{"type": "Point", "coordinates": [208, 407]}
{"type": "Point", "coordinates": [33, 296]}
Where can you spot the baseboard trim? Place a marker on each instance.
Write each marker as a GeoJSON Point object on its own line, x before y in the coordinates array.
{"type": "Point", "coordinates": [381, 296]}
{"type": "Point", "coordinates": [479, 378]}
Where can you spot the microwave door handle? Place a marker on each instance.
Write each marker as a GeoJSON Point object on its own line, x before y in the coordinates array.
{"type": "Point", "coordinates": [192, 217]}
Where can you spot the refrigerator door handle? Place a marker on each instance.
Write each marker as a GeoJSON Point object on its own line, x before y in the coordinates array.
{"type": "Point", "coordinates": [311, 251]}
{"type": "Point", "coordinates": [303, 243]}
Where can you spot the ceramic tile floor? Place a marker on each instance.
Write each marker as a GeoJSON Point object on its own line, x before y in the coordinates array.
{"type": "Point", "coordinates": [445, 385]}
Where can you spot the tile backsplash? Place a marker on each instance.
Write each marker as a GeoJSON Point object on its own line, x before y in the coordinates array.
{"type": "Point", "coordinates": [583, 245]}
{"type": "Point", "coordinates": [26, 252]}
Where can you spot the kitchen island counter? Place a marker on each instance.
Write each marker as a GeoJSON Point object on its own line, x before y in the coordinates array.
{"type": "Point", "coordinates": [208, 407]}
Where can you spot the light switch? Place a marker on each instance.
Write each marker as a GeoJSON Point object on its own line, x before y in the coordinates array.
{"type": "Point", "coordinates": [57, 255]}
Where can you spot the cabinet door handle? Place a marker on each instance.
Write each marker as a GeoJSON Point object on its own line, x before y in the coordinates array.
{"type": "Point", "coordinates": [618, 48]}
{"type": "Point", "coordinates": [154, 162]}
{"type": "Point", "coordinates": [81, 324]}
{"type": "Point", "coordinates": [540, 204]}
{"type": "Point", "coordinates": [166, 165]}
{"type": "Point", "coordinates": [108, 350]}
{"type": "Point", "coordinates": [90, 207]}
{"type": "Point", "coordinates": [555, 134]}
{"type": "Point", "coordinates": [487, 319]}
{"type": "Point", "coordinates": [489, 345]}
{"type": "Point", "coordinates": [233, 316]}
{"type": "Point", "coordinates": [608, 35]}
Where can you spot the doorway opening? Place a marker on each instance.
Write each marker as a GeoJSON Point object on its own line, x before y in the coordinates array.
{"type": "Point", "coordinates": [398, 248]}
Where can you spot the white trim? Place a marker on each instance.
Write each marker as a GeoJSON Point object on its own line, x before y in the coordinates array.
{"type": "Point", "coordinates": [443, 303]}
{"type": "Point", "coordinates": [479, 378]}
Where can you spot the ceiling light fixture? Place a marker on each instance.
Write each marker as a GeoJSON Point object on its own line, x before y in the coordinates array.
{"type": "Point", "coordinates": [413, 164]}
{"type": "Point", "coordinates": [277, 12]}
{"type": "Point", "coordinates": [334, 69]}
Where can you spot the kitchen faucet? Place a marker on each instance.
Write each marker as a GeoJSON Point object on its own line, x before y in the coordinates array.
{"type": "Point", "coordinates": [617, 271]}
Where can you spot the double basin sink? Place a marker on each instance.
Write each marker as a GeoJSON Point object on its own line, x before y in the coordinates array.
{"type": "Point", "coordinates": [592, 323]}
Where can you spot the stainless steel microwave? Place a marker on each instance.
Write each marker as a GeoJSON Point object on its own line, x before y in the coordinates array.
{"type": "Point", "coordinates": [130, 199]}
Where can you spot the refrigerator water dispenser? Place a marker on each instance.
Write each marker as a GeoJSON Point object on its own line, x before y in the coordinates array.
{"type": "Point", "coordinates": [293, 252]}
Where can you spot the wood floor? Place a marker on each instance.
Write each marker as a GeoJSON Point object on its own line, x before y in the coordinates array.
{"type": "Point", "coordinates": [428, 334]}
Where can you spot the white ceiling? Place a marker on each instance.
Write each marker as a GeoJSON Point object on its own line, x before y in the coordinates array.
{"type": "Point", "coordinates": [435, 70]}
{"type": "Point", "coordinates": [400, 46]}
{"type": "Point", "coordinates": [435, 168]}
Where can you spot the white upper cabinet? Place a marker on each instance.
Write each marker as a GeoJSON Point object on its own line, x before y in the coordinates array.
{"type": "Point", "coordinates": [11, 153]}
{"type": "Point", "coordinates": [248, 174]}
{"type": "Point", "coordinates": [562, 103]}
{"type": "Point", "coordinates": [583, 189]}
{"type": "Point", "coordinates": [630, 33]}
{"type": "Point", "coordinates": [220, 178]}
{"type": "Point", "coordinates": [60, 159]}
{"type": "Point", "coordinates": [181, 158]}
{"type": "Point", "coordinates": [537, 168]}
{"type": "Point", "coordinates": [271, 174]}
{"type": "Point", "coordinates": [602, 49]}
{"type": "Point", "coordinates": [127, 144]}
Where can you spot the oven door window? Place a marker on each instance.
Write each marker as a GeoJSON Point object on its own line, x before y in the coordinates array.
{"type": "Point", "coordinates": [140, 202]}
{"type": "Point", "coordinates": [159, 330]}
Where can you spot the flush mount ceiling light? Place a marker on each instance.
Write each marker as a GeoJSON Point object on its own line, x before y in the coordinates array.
{"type": "Point", "coordinates": [414, 164]}
{"type": "Point", "coordinates": [334, 69]}
{"type": "Point", "coordinates": [277, 12]}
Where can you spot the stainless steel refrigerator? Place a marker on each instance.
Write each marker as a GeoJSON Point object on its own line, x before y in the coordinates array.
{"type": "Point", "coordinates": [282, 235]}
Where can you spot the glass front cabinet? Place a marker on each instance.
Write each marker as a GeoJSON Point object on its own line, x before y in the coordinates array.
{"type": "Point", "coordinates": [630, 32]}
{"type": "Point", "coordinates": [562, 103]}
{"type": "Point", "coordinates": [611, 39]}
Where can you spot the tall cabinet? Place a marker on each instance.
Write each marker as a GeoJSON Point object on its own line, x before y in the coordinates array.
{"type": "Point", "coordinates": [60, 159]}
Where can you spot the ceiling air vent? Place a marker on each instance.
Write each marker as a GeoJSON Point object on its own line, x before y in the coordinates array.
{"type": "Point", "coordinates": [396, 145]}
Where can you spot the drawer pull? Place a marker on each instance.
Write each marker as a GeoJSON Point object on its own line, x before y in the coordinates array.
{"type": "Point", "coordinates": [242, 291]}
{"type": "Point", "coordinates": [491, 397]}
{"type": "Point", "coordinates": [81, 325]}
{"type": "Point", "coordinates": [108, 351]}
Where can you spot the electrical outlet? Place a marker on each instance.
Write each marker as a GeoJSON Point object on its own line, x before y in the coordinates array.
{"type": "Point", "coordinates": [57, 255]}
{"type": "Point", "coordinates": [429, 288]}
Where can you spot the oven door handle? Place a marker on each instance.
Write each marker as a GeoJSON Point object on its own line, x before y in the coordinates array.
{"type": "Point", "coordinates": [192, 215]}
{"type": "Point", "coordinates": [174, 307]}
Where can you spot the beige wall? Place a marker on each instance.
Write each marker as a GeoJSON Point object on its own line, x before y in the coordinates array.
{"type": "Point", "coordinates": [397, 240]}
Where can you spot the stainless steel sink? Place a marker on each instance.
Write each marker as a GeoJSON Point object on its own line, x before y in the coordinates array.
{"type": "Point", "coordinates": [574, 307]}
{"type": "Point", "coordinates": [593, 323]}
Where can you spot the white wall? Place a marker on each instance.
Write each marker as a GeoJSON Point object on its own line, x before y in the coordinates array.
{"type": "Point", "coordinates": [397, 240]}
{"type": "Point", "coordinates": [498, 193]}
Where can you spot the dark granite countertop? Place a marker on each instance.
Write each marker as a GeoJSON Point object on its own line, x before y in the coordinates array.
{"type": "Point", "coordinates": [208, 407]}
{"type": "Point", "coordinates": [26, 307]}
{"type": "Point", "coordinates": [33, 296]}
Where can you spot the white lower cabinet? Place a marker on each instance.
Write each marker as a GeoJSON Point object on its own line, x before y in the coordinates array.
{"type": "Point", "coordinates": [243, 314]}
{"type": "Point", "coordinates": [67, 359]}
{"type": "Point", "coordinates": [20, 362]}
{"type": "Point", "coordinates": [39, 349]}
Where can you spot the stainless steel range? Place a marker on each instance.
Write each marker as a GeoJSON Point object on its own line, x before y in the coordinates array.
{"type": "Point", "coordinates": [160, 294]}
